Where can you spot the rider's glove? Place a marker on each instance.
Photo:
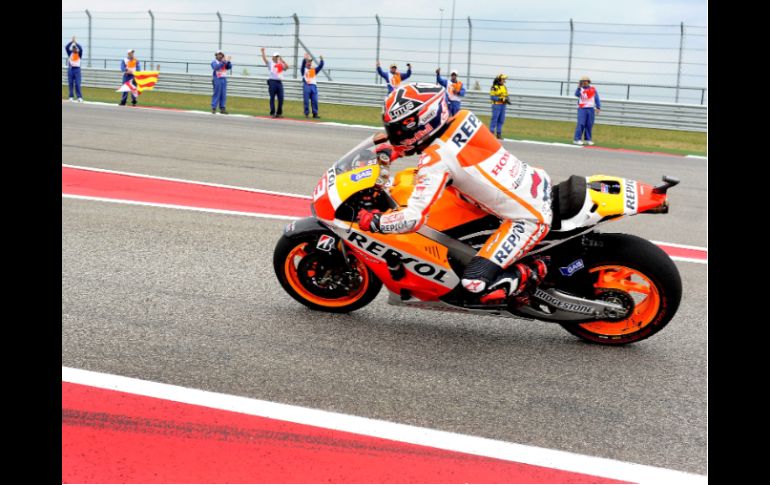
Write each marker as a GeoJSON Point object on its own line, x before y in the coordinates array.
{"type": "Point", "coordinates": [369, 221]}
{"type": "Point", "coordinates": [387, 153]}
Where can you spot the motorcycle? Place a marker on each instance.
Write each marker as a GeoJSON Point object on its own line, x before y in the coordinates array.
{"type": "Point", "coordinates": [605, 288]}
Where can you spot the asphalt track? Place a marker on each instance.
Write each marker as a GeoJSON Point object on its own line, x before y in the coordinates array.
{"type": "Point", "coordinates": [190, 299]}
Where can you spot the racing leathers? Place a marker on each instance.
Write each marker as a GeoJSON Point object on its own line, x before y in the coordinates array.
{"type": "Point", "coordinates": [484, 172]}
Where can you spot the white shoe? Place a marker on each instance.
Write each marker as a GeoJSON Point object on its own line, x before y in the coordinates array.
{"type": "Point", "coordinates": [577, 142]}
{"type": "Point", "coordinates": [80, 100]}
{"type": "Point", "coordinates": [72, 100]}
{"type": "Point", "coordinates": [589, 142]}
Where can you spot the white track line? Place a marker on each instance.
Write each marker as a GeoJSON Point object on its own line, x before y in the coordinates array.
{"type": "Point", "coordinates": [689, 260]}
{"type": "Point", "coordinates": [683, 246]}
{"type": "Point", "coordinates": [259, 191]}
{"type": "Point", "coordinates": [288, 194]}
{"type": "Point", "coordinates": [531, 455]}
{"type": "Point", "coordinates": [182, 207]}
{"type": "Point", "coordinates": [333, 123]}
{"type": "Point", "coordinates": [275, 216]}
{"type": "Point", "coordinates": [543, 143]}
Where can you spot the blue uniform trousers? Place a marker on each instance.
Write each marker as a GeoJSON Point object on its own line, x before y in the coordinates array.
{"type": "Point", "coordinates": [127, 77]}
{"type": "Point", "coordinates": [585, 123]}
{"type": "Point", "coordinates": [220, 92]}
{"type": "Point", "coordinates": [454, 107]}
{"type": "Point", "coordinates": [310, 93]}
{"type": "Point", "coordinates": [498, 118]}
{"type": "Point", "coordinates": [275, 88]}
{"type": "Point", "coordinates": [73, 78]}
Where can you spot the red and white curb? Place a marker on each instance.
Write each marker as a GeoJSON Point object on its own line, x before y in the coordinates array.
{"type": "Point", "coordinates": [120, 429]}
{"type": "Point", "coordinates": [102, 185]}
{"type": "Point", "coordinates": [368, 127]}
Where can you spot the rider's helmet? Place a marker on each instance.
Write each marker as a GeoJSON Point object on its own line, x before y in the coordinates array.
{"type": "Point", "coordinates": [413, 113]}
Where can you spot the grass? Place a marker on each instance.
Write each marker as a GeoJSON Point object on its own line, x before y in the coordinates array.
{"type": "Point", "coordinates": [643, 139]}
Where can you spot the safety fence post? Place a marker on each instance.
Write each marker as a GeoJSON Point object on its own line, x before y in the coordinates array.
{"type": "Point", "coordinates": [679, 66]}
{"type": "Point", "coordinates": [90, 49]}
{"type": "Point", "coordinates": [377, 79]}
{"type": "Point", "coordinates": [470, 36]}
{"type": "Point", "coordinates": [296, 44]}
{"type": "Point", "coordinates": [569, 61]}
{"type": "Point", "coordinates": [152, 38]}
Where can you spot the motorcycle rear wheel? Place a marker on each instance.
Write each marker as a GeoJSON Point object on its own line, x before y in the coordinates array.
{"type": "Point", "coordinates": [632, 270]}
{"type": "Point", "coordinates": [321, 280]}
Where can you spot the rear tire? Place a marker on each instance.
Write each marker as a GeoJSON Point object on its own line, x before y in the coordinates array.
{"type": "Point", "coordinates": [626, 266]}
{"type": "Point", "coordinates": [320, 280]}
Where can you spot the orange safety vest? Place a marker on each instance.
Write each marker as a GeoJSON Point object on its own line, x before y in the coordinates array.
{"type": "Point", "coordinates": [395, 79]}
{"type": "Point", "coordinates": [310, 76]}
{"type": "Point", "coordinates": [74, 59]}
{"type": "Point", "coordinates": [454, 91]}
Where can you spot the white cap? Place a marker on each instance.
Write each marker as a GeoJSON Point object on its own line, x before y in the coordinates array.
{"type": "Point", "coordinates": [219, 52]}
{"type": "Point", "coordinates": [130, 51]}
{"type": "Point", "coordinates": [453, 72]}
{"type": "Point", "coordinates": [276, 54]}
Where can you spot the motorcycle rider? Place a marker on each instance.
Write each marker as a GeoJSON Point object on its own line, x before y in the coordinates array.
{"type": "Point", "coordinates": [462, 151]}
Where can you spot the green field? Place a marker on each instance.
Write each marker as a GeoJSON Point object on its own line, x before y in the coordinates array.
{"type": "Point", "coordinates": [644, 139]}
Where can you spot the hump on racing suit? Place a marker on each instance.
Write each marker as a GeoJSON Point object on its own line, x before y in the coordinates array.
{"type": "Point", "coordinates": [469, 155]}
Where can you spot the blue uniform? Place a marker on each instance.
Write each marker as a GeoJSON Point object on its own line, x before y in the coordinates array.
{"type": "Point", "coordinates": [219, 81]}
{"type": "Point", "coordinates": [73, 67]}
{"type": "Point", "coordinates": [393, 80]}
{"type": "Point", "coordinates": [453, 95]}
{"type": "Point", "coordinates": [588, 99]}
{"type": "Point", "coordinates": [127, 76]}
{"type": "Point", "coordinates": [309, 87]}
{"type": "Point", "coordinates": [275, 86]}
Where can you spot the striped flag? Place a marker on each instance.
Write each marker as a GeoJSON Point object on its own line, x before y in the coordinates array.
{"type": "Point", "coordinates": [128, 86]}
{"type": "Point", "coordinates": [143, 81]}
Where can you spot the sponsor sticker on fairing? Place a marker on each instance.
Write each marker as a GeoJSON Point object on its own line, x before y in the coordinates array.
{"type": "Point", "coordinates": [383, 252]}
{"type": "Point", "coordinates": [361, 175]}
{"type": "Point", "coordinates": [572, 268]}
{"type": "Point", "coordinates": [630, 196]}
{"type": "Point", "coordinates": [320, 189]}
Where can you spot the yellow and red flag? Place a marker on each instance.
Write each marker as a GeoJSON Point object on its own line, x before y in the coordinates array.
{"type": "Point", "coordinates": [143, 81]}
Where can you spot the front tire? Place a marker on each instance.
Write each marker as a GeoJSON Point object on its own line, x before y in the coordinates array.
{"type": "Point", "coordinates": [632, 270]}
{"type": "Point", "coordinates": [321, 280]}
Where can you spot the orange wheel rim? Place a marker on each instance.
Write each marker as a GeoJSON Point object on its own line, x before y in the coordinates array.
{"type": "Point", "coordinates": [292, 276]}
{"type": "Point", "coordinates": [642, 290]}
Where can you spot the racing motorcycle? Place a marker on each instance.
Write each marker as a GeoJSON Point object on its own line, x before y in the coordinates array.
{"type": "Point", "coordinates": [605, 288]}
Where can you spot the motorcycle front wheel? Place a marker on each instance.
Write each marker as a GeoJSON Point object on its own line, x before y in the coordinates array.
{"type": "Point", "coordinates": [321, 280]}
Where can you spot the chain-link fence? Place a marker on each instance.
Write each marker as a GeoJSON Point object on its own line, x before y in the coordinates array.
{"type": "Point", "coordinates": [643, 62]}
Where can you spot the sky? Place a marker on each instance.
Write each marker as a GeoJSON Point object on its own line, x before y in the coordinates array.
{"type": "Point", "coordinates": [639, 11]}
{"type": "Point", "coordinates": [628, 59]}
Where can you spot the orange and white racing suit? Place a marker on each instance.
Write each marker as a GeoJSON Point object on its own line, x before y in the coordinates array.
{"type": "Point", "coordinates": [469, 155]}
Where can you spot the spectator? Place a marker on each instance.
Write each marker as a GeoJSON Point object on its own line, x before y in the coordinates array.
{"type": "Point", "coordinates": [499, 96]}
{"type": "Point", "coordinates": [393, 77]}
{"type": "Point", "coordinates": [588, 99]}
{"type": "Point", "coordinates": [276, 66]}
{"type": "Point", "coordinates": [309, 86]}
{"type": "Point", "coordinates": [129, 65]}
{"type": "Point", "coordinates": [221, 64]}
{"type": "Point", "coordinates": [454, 89]}
{"type": "Point", "coordinates": [74, 55]}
